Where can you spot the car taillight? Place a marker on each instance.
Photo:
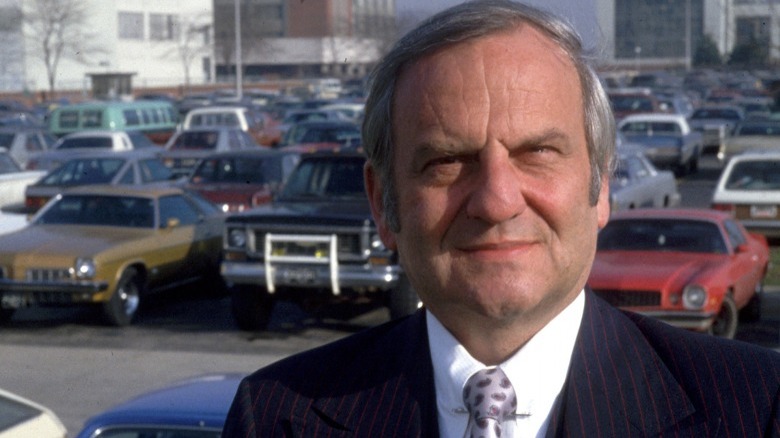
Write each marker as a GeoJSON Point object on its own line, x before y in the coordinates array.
{"type": "Point", "coordinates": [34, 203]}
{"type": "Point", "coordinates": [728, 208]}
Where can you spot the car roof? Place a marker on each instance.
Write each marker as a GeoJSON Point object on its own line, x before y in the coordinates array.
{"type": "Point", "coordinates": [94, 133]}
{"type": "Point", "coordinates": [653, 117]}
{"type": "Point", "coordinates": [671, 213]}
{"type": "Point", "coordinates": [142, 190]}
{"type": "Point", "coordinates": [202, 401]}
{"type": "Point", "coordinates": [218, 109]}
{"type": "Point", "coordinates": [108, 153]}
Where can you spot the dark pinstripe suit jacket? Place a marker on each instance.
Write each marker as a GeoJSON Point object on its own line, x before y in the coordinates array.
{"type": "Point", "coordinates": [629, 376]}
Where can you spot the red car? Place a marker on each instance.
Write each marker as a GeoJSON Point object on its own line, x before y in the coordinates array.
{"type": "Point", "coordinates": [240, 180]}
{"type": "Point", "coordinates": [692, 268]}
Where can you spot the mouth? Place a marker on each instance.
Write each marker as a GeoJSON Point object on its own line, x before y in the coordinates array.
{"type": "Point", "coordinates": [497, 250]}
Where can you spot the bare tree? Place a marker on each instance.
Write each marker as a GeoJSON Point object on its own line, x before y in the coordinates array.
{"type": "Point", "coordinates": [58, 29]}
{"type": "Point", "coordinates": [194, 40]}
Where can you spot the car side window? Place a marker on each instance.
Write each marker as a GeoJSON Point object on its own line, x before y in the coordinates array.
{"type": "Point", "coordinates": [175, 206]}
{"type": "Point", "coordinates": [734, 233]}
{"type": "Point", "coordinates": [33, 144]}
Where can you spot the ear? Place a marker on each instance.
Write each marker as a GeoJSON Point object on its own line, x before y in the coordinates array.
{"type": "Point", "coordinates": [603, 207]}
{"type": "Point", "coordinates": [374, 190]}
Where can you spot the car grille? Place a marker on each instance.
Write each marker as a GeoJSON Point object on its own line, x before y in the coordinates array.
{"type": "Point", "coordinates": [630, 298]}
{"type": "Point", "coordinates": [48, 275]}
{"type": "Point", "coordinates": [351, 246]}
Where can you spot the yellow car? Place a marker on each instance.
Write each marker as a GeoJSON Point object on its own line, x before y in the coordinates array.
{"type": "Point", "coordinates": [110, 245]}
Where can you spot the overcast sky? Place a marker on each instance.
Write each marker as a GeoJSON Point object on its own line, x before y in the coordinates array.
{"type": "Point", "coordinates": [581, 13]}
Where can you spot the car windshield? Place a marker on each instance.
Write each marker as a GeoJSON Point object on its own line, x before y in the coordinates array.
{"type": "Point", "coordinates": [326, 178]}
{"type": "Point", "coordinates": [7, 164]}
{"type": "Point", "coordinates": [329, 135]}
{"type": "Point", "coordinates": [200, 140]}
{"type": "Point", "coordinates": [157, 432]}
{"type": "Point", "coordinates": [117, 211]}
{"type": "Point", "coordinates": [228, 119]}
{"type": "Point", "coordinates": [758, 129]}
{"type": "Point", "coordinates": [239, 170]}
{"type": "Point", "coordinates": [653, 234]}
{"type": "Point", "coordinates": [715, 114]}
{"type": "Point", "coordinates": [86, 142]}
{"type": "Point", "coordinates": [83, 171]}
{"type": "Point", "coordinates": [6, 138]}
{"type": "Point", "coordinates": [650, 128]}
{"type": "Point", "coordinates": [754, 175]}
{"type": "Point", "coordinates": [631, 103]}
{"type": "Point", "coordinates": [153, 169]}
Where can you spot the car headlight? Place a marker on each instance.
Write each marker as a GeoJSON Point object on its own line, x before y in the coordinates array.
{"type": "Point", "coordinates": [694, 297]}
{"type": "Point", "coordinates": [84, 268]}
{"type": "Point", "coordinates": [236, 238]}
{"type": "Point", "coordinates": [376, 244]}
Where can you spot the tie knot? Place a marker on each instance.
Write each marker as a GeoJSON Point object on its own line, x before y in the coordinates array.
{"type": "Point", "coordinates": [488, 394]}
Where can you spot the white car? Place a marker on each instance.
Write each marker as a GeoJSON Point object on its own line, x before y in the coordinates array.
{"type": "Point", "coordinates": [251, 122]}
{"type": "Point", "coordinates": [20, 417]}
{"type": "Point", "coordinates": [666, 139]}
{"type": "Point", "coordinates": [14, 180]}
{"type": "Point", "coordinates": [749, 188]}
{"type": "Point", "coordinates": [76, 143]}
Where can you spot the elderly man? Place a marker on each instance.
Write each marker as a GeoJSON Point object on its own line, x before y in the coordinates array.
{"type": "Point", "coordinates": [490, 142]}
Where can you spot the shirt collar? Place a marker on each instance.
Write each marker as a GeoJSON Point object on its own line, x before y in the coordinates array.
{"type": "Point", "coordinates": [537, 371]}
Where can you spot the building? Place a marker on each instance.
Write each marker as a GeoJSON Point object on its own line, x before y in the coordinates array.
{"type": "Point", "coordinates": [156, 42]}
{"type": "Point", "coordinates": [303, 39]}
{"type": "Point", "coordinates": [665, 33]}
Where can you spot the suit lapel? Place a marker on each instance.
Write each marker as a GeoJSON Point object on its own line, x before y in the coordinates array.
{"type": "Point", "coordinates": [617, 385]}
{"type": "Point", "coordinates": [393, 391]}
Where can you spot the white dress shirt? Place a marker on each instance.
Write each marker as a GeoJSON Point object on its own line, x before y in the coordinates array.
{"type": "Point", "coordinates": [537, 372]}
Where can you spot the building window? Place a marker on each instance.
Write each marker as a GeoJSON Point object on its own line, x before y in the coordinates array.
{"type": "Point", "coordinates": [163, 27]}
{"type": "Point", "coordinates": [131, 25]}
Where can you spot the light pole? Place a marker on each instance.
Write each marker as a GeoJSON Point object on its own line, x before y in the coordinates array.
{"type": "Point", "coordinates": [239, 67]}
{"type": "Point", "coordinates": [637, 53]}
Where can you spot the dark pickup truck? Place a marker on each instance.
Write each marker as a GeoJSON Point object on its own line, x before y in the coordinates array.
{"type": "Point", "coordinates": [316, 238]}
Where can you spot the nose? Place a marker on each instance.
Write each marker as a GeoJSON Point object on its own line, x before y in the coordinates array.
{"type": "Point", "coordinates": [497, 194]}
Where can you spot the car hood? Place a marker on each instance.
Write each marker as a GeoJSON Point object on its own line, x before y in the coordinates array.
{"type": "Point", "coordinates": [314, 212]}
{"type": "Point", "coordinates": [56, 240]}
{"type": "Point", "coordinates": [649, 270]}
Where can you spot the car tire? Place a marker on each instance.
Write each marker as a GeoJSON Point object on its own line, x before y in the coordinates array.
{"type": "Point", "coordinates": [752, 310]}
{"type": "Point", "coordinates": [6, 315]}
{"type": "Point", "coordinates": [727, 319]}
{"type": "Point", "coordinates": [122, 306]}
{"type": "Point", "coordinates": [402, 300]}
{"type": "Point", "coordinates": [251, 307]}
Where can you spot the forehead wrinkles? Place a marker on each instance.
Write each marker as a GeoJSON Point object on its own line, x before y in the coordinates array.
{"type": "Point", "coordinates": [470, 82]}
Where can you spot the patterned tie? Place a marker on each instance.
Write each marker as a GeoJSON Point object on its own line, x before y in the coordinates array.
{"type": "Point", "coordinates": [489, 398]}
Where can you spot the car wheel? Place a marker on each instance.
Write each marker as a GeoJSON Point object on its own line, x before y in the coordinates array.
{"type": "Point", "coordinates": [727, 319]}
{"type": "Point", "coordinates": [752, 310]}
{"type": "Point", "coordinates": [402, 300]}
{"type": "Point", "coordinates": [123, 305]}
{"type": "Point", "coordinates": [251, 307]}
{"type": "Point", "coordinates": [6, 315]}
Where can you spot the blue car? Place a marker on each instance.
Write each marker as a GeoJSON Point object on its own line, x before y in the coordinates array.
{"type": "Point", "coordinates": [194, 408]}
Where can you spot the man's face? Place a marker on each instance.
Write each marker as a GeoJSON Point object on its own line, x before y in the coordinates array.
{"type": "Point", "coordinates": [492, 177]}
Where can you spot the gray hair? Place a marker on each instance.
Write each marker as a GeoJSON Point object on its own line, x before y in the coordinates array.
{"type": "Point", "coordinates": [467, 21]}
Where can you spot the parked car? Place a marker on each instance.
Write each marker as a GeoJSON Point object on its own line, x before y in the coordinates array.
{"type": "Point", "coordinates": [155, 119]}
{"type": "Point", "coordinates": [715, 122]}
{"type": "Point", "coordinates": [239, 180]}
{"type": "Point", "coordinates": [192, 408]}
{"type": "Point", "coordinates": [250, 121]}
{"type": "Point", "coordinates": [131, 167]}
{"type": "Point", "coordinates": [13, 180]}
{"type": "Point", "coordinates": [276, 131]}
{"type": "Point", "coordinates": [636, 183]}
{"type": "Point", "coordinates": [666, 139]}
{"type": "Point", "coordinates": [187, 147]}
{"type": "Point", "coordinates": [751, 135]}
{"type": "Point", "coordinates": [111, 246]}
{"type": "Point", "coordinates": [749, 189]}
{"type": "Point", "coordinates": [315, 242]}
{"type": "Point", "coordinates": [633, 101]}
{"type": "Point", "coordinates": [319, 132]}
{"type": "Point", "coordinates": [692, 268]}
{"type": "Point", "coordinates": [71, 144]}
{"type": "Point", "coordinates": [23, 142]}
{"type": "Point", "coordinates": [21, 418]}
